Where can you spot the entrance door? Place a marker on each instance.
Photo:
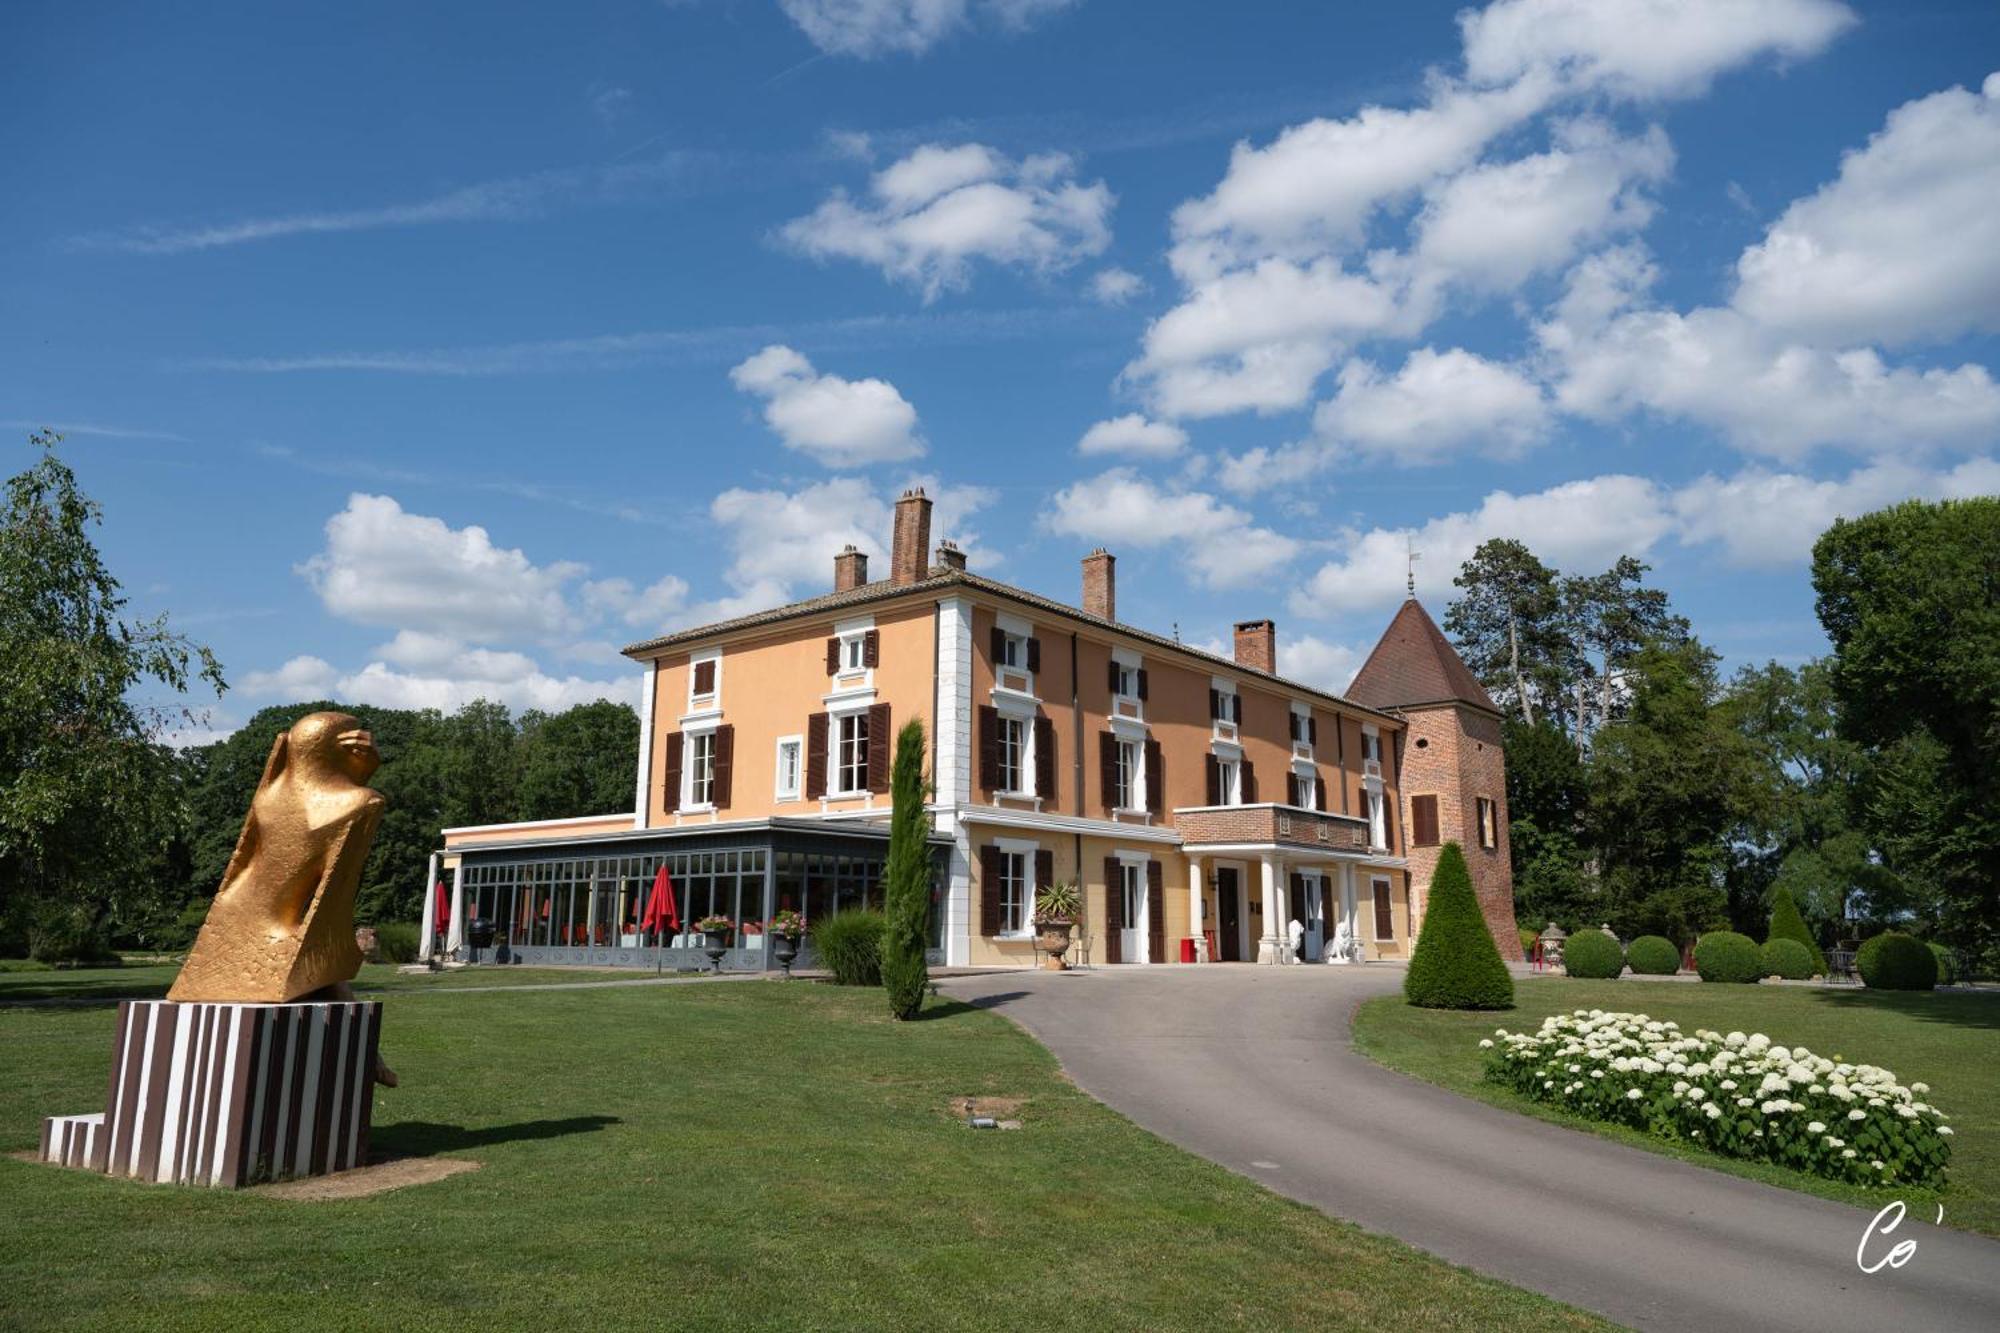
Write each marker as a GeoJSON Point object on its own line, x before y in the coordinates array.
{"type": "Point", "coordinates": [1228, 916]}
{"type": "Point", "coordinates": [1132, 935]}
{"type": "Point", "coordinates": [1314, 919]}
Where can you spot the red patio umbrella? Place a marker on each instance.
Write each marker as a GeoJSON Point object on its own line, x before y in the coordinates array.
{"type": "Point", "coordinates": [441, 924]}
{"type": "Point", "coordinates": [661, 910]}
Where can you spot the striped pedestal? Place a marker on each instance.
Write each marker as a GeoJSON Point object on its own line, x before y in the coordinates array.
{"type": "Point", "coordinates": [229, 1094]}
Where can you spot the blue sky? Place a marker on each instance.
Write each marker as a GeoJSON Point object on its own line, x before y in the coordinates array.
{"type": "Point", "coordinates": [423, 352]}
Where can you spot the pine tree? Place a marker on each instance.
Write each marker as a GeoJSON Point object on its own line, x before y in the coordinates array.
{"type": "Point", "coordinates": [1787, 924]}
{"type": "Point", "coordinates": [1456, 964]}
{"type": "Point", "coordinates": [906, 879]}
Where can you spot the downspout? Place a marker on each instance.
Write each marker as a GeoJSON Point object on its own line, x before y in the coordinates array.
{"type": "Point", "coordinates": [1076, 766]}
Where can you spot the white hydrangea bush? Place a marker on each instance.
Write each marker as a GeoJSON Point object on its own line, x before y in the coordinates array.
{"type": "Point", "coordinates": [1740, 1095]}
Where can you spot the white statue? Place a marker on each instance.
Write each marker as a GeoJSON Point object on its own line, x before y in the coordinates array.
{"type": "Point", "coordinates": [1298, 937]}
{"type": "Point", "coordinates": [1342, 946]}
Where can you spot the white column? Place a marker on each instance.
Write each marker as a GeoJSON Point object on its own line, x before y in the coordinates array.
{"type": "Point", "coordinates": [427, 924]}
{"type": "Point", "coordinates": [1268, 946]}
{"type": "Point", "coordinates": [643, 785]}
{"type": "Point", "coordinates": [952, 769]}
{"type": "Point", "coordinates": [454, 939]}
{"type": "Point", "coordinates": [1194, 909]}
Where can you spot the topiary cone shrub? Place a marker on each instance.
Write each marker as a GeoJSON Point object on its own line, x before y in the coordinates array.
{"type": "Point", "coordinates": [1593, 956]}
{"type": "Point", "coordinates": [1456, 964]}
{"type": "Point", "coordinates": [849, 945]}
{"type": "Point", "coordinates": [1787, 924]}
{"type": "Point", "coordinates": [1653, 956]}
{"type": "Point", "coordinates": [1895, 961]}
{"type": "Point", "coordinates": [1723, 955]}
{"type": "Point", "coordinates": [906, 878]}
{"type": "Point", "coordinates": [1788, 959]}
{"type": "Point", "coordinates": [1947, 965]}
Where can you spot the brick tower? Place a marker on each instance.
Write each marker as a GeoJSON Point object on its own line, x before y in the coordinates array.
{"type": "Point", "coordinates": [1453, 768]}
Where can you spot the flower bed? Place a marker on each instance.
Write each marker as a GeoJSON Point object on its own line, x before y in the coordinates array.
{"type": "Point", "coordinates": [1736, 1095]}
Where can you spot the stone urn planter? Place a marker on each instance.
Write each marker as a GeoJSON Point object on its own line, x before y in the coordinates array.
{"type": "Point", "coordinates": [1056, 908]}
{"type": "Point", "coordinates": [715, 934]}
{"type": "Point", "coordinates": [1052, 938]}
{"type": "Point", "coordinates": [785, 948]}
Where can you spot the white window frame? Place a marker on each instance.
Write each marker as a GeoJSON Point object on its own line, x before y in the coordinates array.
{"type": "Point", "coordinates": [1125, 701]}
{"type": "Point", "coordinates": [699, 741]}
{"type": "Point", "coordinates": [1025, 851]}
{"type": "Point", "coordinates": [1308, 777]}
{"type": "Point", "coordinates": [712, 700]}
{"type": "Point", "coordinates": [1130, 757]}
{"type": "Point", "coordinates": [1371, 743]}
{"type": "Point", "coordinates": [1232, 778]}
{"type": "Point", "coordinates": [1486, 811]}
{"type": "Point", "coordinates": [1023, 729]}
{"type": "Point", "coordinates": [837, 766]}
{"type": "Point", "coordinates": [1225, 728]}
{"type": "Point", "coordinates": [853, 636]}
{"type": "Point", "coordinates": [796, 791]}
{"type": "Point", "coordinates": [1135, 865]}
{"type": "Point", "coordinates": [1378, 807]}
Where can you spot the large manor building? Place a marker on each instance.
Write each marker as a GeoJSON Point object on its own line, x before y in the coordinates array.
{"type": "Point", "coordinates": [1201, 803]}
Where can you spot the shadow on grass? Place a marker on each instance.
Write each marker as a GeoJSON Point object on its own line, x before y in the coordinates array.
{"type": "Point", "coordinates": [97, 992]}
{"type": "Point", "coordinates": [1960, 1009]}
{"type": "Point", "coordinates": [424, 1138]}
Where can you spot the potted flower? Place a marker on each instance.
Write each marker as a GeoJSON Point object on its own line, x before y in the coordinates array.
{"type": "Point", "coordinates": [787, 928]}
{"type": "Point", "coordinates": [1056, 910]}
{"type": "Point", "coordinates": [715, 932]}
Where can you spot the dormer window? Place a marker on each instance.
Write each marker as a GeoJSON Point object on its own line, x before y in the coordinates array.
{"type": "Point", "coordinates": [1016, 654]}
{"type": "Point", "coordinates": [1225, 709]}
{"type": "Point", "coordinates": [705, 682]}
{"type": "Point", "coordinates": [853, 651]}
{"type": "Point", "coordinates": [1305, 727]}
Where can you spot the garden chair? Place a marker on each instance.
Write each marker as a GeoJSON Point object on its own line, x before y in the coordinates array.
{"type": "Point", "coordinates": [1080, 946]}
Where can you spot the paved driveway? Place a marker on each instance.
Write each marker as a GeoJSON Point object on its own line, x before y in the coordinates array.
{"type": "Point", "coordinates": [1253, 1068]}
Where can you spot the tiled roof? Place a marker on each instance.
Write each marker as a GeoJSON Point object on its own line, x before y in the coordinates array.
{"type": "Point", "coordinates": [943, 576]}
{"type": "Point", "coordinates": [1415, 664]}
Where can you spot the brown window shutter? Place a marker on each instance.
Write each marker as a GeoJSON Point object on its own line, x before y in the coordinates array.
{"type": "Point", "coordinates": [1045, 868]}
{"type": "Point", "coordinates": [1292, 719]}
{"type": "Point", "coordinates": [1214, 780]}
{"type": "Point", "coordinates": [725, 755]}
{"type": "Point", "coordinates": [1312, 731]}
{"type": "Point", "coordinates": [1236, 709]}
{"type": "Point", "coordinates": [1114, 910]}
{"type": "Point", "coordinates": [1249, 771]}
{"type": "Point", "coordinates": [871, 648]}
{"type": "Point", "coordinates": [1107, 767]}
{"type": "Point", "coordinates": [1034, 655]}
{"type": "Point", "coordinates": [674, 743]}
{"type": "Point", "coordinates": [1385, 916]}
{"type": "Point", "coordinates": [997, 641]}
{"type": "Point", "coordinates": [989, 747]}
{"type": "Point", "coordinates": [989, 890]}
{"type": "Point", "coordinates": [833, 655]}
{"type": "Point", "coordinates": [1296, 894]}
{"type": "Point", "coordinates": [1142, 684]}
{"type": "Point", "coordinates": [1389, 824]}
{"type": "Point", "coordinates": [1319, 790]}
{"type": "Point", "coordinates": [1111, 678]}
{"type": "Point", "coordinates": [1045, 758]}
{"type": "Point", "coordinates": [878, 747]}
{"type": "Point", "coordinates": [1291, 788]}
{"type": "Point", "coordinates": [1214, 704]}
{"type": "Point", "coordinates": [1325, 908]}
{"type": "Point", "coordinates": [1156, 911]}
{"type": "Point", "coordinates": [1156, 777]}
{"type": "Point", "coordinates": [704, 678]}
{"type": "Point", "coordinates": [816, 730]}
{"type": "Point", "coordinates": [1423, 821]}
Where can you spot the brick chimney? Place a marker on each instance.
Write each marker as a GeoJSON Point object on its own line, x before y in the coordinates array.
{"type": "Point", "coordinates": [950, 556]}
{"type": "Point", "coordinates": [1257, 645]}
{"type": "Point", "coordinates": [911, 542]}
{"type": "Point", "coordinates": [850, 568]}
{"type": "Point", "coordinates": [1100, 584]}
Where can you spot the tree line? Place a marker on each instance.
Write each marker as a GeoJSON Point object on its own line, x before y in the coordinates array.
{"type": "Point", "coordinates": [1649, 792]}
{"type": "Point", "coordinates": [112, 838]}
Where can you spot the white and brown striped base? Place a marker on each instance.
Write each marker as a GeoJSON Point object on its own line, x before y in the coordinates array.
{"type": "Point", "coordinates": [229, 1094]}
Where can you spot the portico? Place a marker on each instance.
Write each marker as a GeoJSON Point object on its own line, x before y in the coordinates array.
{"type": "Point", "coordinates": [1254, 869]}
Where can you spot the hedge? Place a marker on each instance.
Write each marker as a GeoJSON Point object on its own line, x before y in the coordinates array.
{"type": "Point", "coordinates": [1787, 924]}
{"type": "Point", "coordinates": [1787, 958]}
{"type": "Point", "coordinates": [397, 941]}
{"type": "Point", "coordinates": [1653, 956]}
{"type": "Point", "coordinates": [1594, 955]}
{"type": "Point", "coordinates": [1723, 955]}
{"type": "Point", "coordinates": [1456, 964]}
{"type": "Point", "coordinates": [1895, 961]}
{"type": "Point", "coordinates": [849, 945]}
{"type": "Point", "coordinates": [1947, 965]}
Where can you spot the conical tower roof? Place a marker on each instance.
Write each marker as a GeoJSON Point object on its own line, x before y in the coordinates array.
{"type": "Point", "coordinates": [1414, 665]}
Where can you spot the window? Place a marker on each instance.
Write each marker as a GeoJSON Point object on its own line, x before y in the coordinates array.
{"type": "Point", "coordinates": [1424, 821]}
{"type": "Point", "coordinates": [1385, 914]}
{"type": "Point", "coordinates": [1016, 899]}
{"type": "Point", "coordinates": [791, 766]}
{"type": "Point", "coordinates": [704, 678]}
{"type": "Point", "coordinates": [1122, 683]}
{"type": "Point", "coordinates": [701, 768]}
{"type": "Point", "coordinates": [1305, 729]}
{"type": "Point", "coordinates": [1225, 706]}
{"type": "Point", "coordinates": [1371, 746]}
{"type": "Point", "coordinates": [1307, 790]}
{"type": "Point", "coordinates": [1129, 788]}
{"type": "Point", "coordinates": [1489, 824]}
{"type": "Point", "coordinates": [1231, 772]}
{"type": "Point", "coordinates": [1132, 905]}
{"type": "Point", "coordinates": [850, 653]}
{"type": "Point", "coordinates": [1013, 754]}
{"type": "Point", "coordinates": [851, 755]}
{"type": "Point", "coordinates": [1378, 823]}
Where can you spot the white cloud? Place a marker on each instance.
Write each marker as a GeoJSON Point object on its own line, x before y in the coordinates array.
{"type": "Point", "coordinates": [1266, 468]}
{"type": "Point", "coordinates": [1904, 244]}
{"type": "Point", "coordinates": [1579, 525]}
{"type": "Point", "coordinates": [839, 422]}
{"type": "Point", "coordinates": [1133, 434]}
{"type": "Point", "coordinates": [1116, 286]}
{"type": "Point", "coordinates": [649, 608]}
{"type": "Point", "coordinates": [1642, 48]}
{"type": "Point", "coordinates": [1316, 661]}
{"type": "Point", "coordinates": [1762, 518]}
{"type": "Point", "coordinates": [929, 216]}
{"type": "Point", "coordinates": [1221, 544]}
{"type": "Point", "coordinates": [301, 678]}
{"type": "Point", "coordinates": [872, 28]}
{"type": "Point", "coordinates": [1437, 405]}
{"type": "Point", "coordinates": [384, 566]}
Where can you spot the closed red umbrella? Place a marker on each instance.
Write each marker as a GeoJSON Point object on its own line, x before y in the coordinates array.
{"type": "Point", "coordinates": [442, 922]}
{"type": "Point", "coordinates": [661, 911]}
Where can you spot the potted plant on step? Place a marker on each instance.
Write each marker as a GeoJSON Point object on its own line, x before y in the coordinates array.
{"type": "Point", "coordinates": [1056, 909]}
{"type": "Point", "coordinates": [787, 929]}
{"type": "Point", "coordinates": [715, 932]}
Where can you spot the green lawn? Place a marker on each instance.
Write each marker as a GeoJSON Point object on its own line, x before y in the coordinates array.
{"type": "Point", "coordinates": [1948, 1040]}
{"type": "Point", "coordinates": [150, 981]}
{"type": "Point", "coordinates": [744, 1154]}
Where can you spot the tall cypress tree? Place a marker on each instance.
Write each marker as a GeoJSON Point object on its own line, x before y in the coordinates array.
{"type": "Point", "coordinates": [1787, 924]}
{"type": "Point", "coordinates": [906, 879]}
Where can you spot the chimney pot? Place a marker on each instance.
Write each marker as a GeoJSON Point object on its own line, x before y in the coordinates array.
{"type": "Point", "coordinates": [911, 543]}
{"type": "Point", "coordinates": [1257, 645]}
{"type": "Point", "coordinates": [949, 556]}
{"type": "Point", "coordinates": [1100, 584]}
{"type": "Point", "coordinates": [850, 569]}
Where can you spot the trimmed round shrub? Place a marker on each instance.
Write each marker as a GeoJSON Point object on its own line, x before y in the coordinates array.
{"type": "Point", "coordinates": [849, 945]}
{"type": "Point", "coordinates": [1788, 959]}
{"type": "Point", "coordinates": [397, 941]}
{"type": "Point", "coordinates": [1456, 964]}
{"type": "Point", "coordinates": [1593, 955]}
{"type": "Point", "coordinates": [1947, 965]}
{"type": "Point", "coordinates": [1529, 939]}
{"type": "Point", "coordinates": [1723, 955]}
{"type": "Point", "coordinates": [1653, 956]}
{"type": "Point", "coordinates": [1895, 961]}
{"type": "Point", "coordinates": [1787, 924]}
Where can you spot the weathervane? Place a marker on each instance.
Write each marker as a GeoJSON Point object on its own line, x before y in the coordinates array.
{"type": "Point", "coordinates": [1414, 555]}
